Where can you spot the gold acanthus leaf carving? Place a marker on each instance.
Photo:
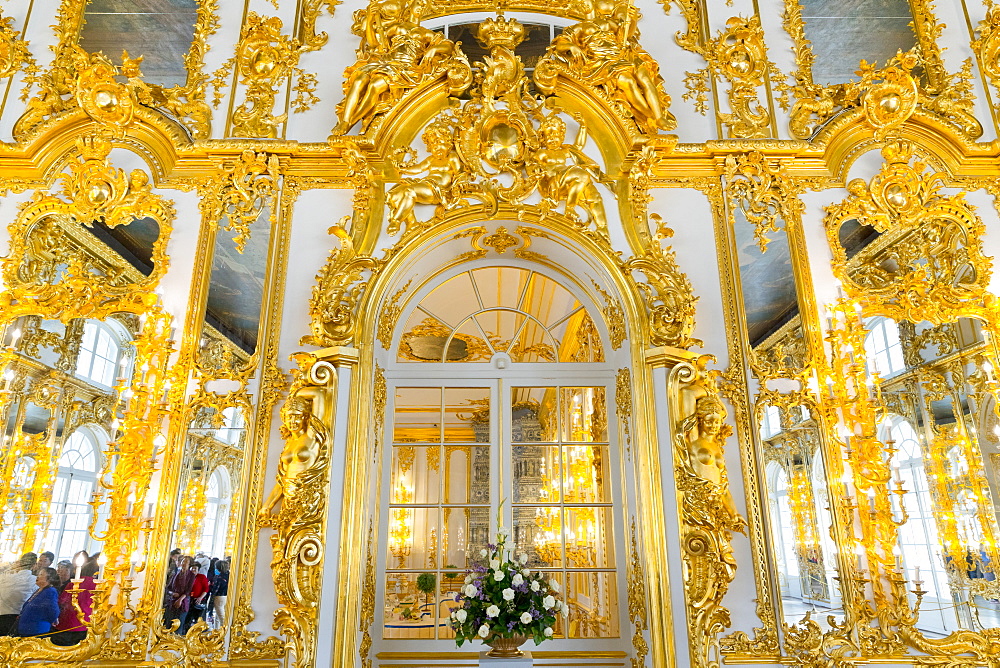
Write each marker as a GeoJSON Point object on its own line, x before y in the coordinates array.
{"type": "Point", "coordinates": [396, 55]}
{"type": "Point", "coordinates": [263, 58]}
{"type": "Point", "coordinates": [14, 52]}
{"type": "Point", "coordinates": [934, 241]}
{"type": "Point", "coordinates": [667, 291]}
{"type": "Point", "coordinates": [637, 602]}
{"type": "Point", "coordinates": [302, 488]}
{"type": "Point", "coordinates": [603, 52]}
{"type": "Point", "coordinates": [239, 193]}
{"type": "Point", "coordinates": [47, 234]}
{"type": "Point", "coordinates": [88, 81]}
{"type": "Point", "coordinates": [340, 285]}
{"type": "Point", "coordinates": [987, 46]}
{"type": "Point", "coordinates": [761, 191]}
{"type": "Point", "coordinates": [738, 55]}
{"type": "Point", "coordinates": [708, 513]}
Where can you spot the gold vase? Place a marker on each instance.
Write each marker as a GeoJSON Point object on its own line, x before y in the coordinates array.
{"type": "Point", "coordinates": [505, 647]}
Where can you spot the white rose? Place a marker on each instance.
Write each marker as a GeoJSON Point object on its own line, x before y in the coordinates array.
{"type": "Point", "coordinates": [554, 585]}
{"type": "Point", "coordinates": [484, 631]}
{"type": "Point", "coordinates": [535, 586]}
{"type": "Point", "coordinates": [460, 615]}
{"type": "Point", "coordinates": [526, 572]}
{"type": "Point", "coordinates": [517, 579]}
{"type": "Point", "coordinates": [483, 552]}
{"type": "Point", "coordinates": [498, 576]}
{"type": "Point", "coordinates": [470, 590]}
{"type": "Point", "coordinates": [495, 564]}
{"type": "Point", "coordinates": [492, 611]}
{"type": "Point", "coordinates": [549, 601]}
{"type": "Point", "coordinates": [525, 617]}
{"type": "Point", "coordinates": [468, 579]}
{"type": "Point", "coordinates": [548, 632]}
{"type": "Point", "coordinates": [502, 531]}
{"type": "Point", "coordinates": [524, 558]}
{"type": "Point", "coordinates": [508, 594]}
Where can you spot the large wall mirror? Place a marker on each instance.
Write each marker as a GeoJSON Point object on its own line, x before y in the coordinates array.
{"type": "Point", "coordinates": [82, 395]}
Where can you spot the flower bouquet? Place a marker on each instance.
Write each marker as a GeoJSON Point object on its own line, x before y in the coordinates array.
{"type": "Point", "coordinates": [504, 602]}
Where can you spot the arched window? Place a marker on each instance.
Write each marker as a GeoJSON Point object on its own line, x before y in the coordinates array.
{"type": "Point", "coordinates": [771, 424]}
{"type": "Point", "coordinates": [218, 496]}
{"type": "Point", "coordinates": [783, 530]}
{"type": "Point", "coordinates": [100, 353]}
{"type": "Point", "coordinates": [74, 487]}
{"type": "Point", "coordinates": [511, 400]}
{"type": "Point", "coordinates": [232, 425]}
{"type": "Point", "coordinates": [883, 349]}
{"type": "Point", "coordinates": [918, 536]}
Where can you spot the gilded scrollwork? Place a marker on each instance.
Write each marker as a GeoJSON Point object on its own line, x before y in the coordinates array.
{"type": "Point", "coordinates": [47, 233]}
{"type": "Point", "coordinates": [396, 55]}
{"type": "Point", "coordinates": [667, 291]}
{"type": "Point", "coordinates": [501, 146]}
{"type": "Point", "coordinates": [340, 286]}
{"type": "Point", "coordinates": [937, 262]}
{"type": "Point", "coordinates": [14, 53]}
{"type": "Point", "coordinates": [707, 511]}
{"type": "Point", "coordinates": [738, 55]}
{"type": "Point", "coordinates": [888, 95]}
{"type": "Point", "coordinates": [240, 192]}
{"type": "Point", "coordinates": [602, 52]}
{"type": "Point", "coordinates": [301, 490]}
{"type": "Point", "coordinates": [264, 57]}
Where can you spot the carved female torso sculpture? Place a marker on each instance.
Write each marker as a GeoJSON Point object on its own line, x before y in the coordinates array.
{"type": "Point", "coordinates": [705, 449]}
{"type": "Point", "coordinates": [307, 430]}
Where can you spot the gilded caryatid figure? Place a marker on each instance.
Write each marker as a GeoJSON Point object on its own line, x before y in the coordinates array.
{"type": "Point", "coordinates": [566, 174]}
{"type": "Point", "coordinates": [440, 168]}
{"type": "Point", "coordinates": [705, 451]}
{"type": "Point", "coordinates": [307, 424]}
{"type": "Point", "coordinates": [603, 51]}
{"type": "Point", "coordinates": [396, 55]}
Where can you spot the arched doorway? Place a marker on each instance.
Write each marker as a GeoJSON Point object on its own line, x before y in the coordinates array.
{"type": "Point", "coordinates": [500, 404]}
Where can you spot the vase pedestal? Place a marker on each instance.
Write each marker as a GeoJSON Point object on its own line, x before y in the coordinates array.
{"type": "Point", "coordinates": [514, 662]}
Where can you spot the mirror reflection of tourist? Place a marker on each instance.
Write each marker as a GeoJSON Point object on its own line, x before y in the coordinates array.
{"type": "Point", "coordinates": [16, 584]}
{"type": "Point", "coordinates": [70, 629]}
{"type": "Point", "coordinates": [41, 611]}
{"type": "Point", "coordinates": [179, 594]}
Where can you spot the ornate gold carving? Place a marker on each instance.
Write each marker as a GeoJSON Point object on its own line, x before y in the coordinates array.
{"type": "Point", "coordinates": [707, 511]}
{"type": "Point", "coordinates": [396, 55]}
{"type": "Point", "coordinates": [761, 191]}
{"type": "Point", "coordinates": [602, 52]}
{"type": "Point", "coordinates": [938, 266]}
{"type": "Point", "coordinates": [614, 318]}
{"type": "Point", "coordinates": [623, 404]}
{"type": "Point", "coordinates": [302, 490]}
{"type": "Point", "coordinates": [340, 285]}
{"type": "Point", "coordinates": [889, 95]}
{"type": "Point", "coordinates": [368, 601]}
{"type": "Point", "coordinates": [667, 291]}
{"type": "Point", "coordinates": [238, 194]}
{"type": "Point", "coordinates": [491, 149]}
{"type": "Point", "coordinates": [987, 45]}
{"type": "Point", "coordinates": [47, 234]}
{"type": "Point", "coordinates": [263, 58]}
{"type": "Point", "coordinates": [390, 316]}
{"type": "Point", "coordinates": [637, 602]}
{"type": "Point", "coordinates": [737, 54]}
{"type": "Point", "coordinates": [14, 52]}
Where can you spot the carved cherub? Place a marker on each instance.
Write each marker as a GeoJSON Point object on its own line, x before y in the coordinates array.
{"type": "Point", "coordinates": [603, 50]}
{"type": "Point", "coordinates": [397, 53]}
{"type": "Point", "coordinates": [567, 174]}
{"type": "Point", "coordinates": [442, 166]}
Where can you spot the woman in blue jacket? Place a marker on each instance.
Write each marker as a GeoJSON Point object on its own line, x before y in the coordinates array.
{"type": "Point", "coordinates": [41, 612]}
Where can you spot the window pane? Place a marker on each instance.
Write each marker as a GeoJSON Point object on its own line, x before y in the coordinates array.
{"type": "Point", "coordinates": [408, 611]}
{"type": "Point", "coordinates": [593, 605]}
{"type": "Point", "coordinates": [536, 471]}
{"type": "Point", "coordinates": [467, 474]}
{"type": "Point", "coordinates": [417, 415]}
{"type": "Point", "coordinates": [533, 418]}
{"type": "Point", "coordinates": [585, 474]}
{"type": "Point", "coordinates": [415, 474]}
{"type": "Point", "coordinates": [467, 415]}
{"type": "Point", "coordinates": [584, 414]}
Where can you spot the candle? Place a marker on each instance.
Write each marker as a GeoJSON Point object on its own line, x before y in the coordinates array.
{"type": "Point", "coordinates": [916, 575]}
{"type": "Point", "coordinates": [80, 561]}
